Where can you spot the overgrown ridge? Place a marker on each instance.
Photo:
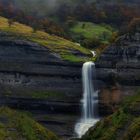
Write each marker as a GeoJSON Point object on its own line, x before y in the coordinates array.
{"type": "Point", "coordinates": [122, 125]}
{"type": "Point", "coordinates": [65, 49]}
{"type": "Point", "coordinates": [15, 125]}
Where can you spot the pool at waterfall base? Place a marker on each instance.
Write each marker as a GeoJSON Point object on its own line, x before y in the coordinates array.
{"type": "Point", "coordinates": [83, 126]}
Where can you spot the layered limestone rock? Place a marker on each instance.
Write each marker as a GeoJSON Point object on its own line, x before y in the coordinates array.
{"type": "Point", "coordinates": [35, 79]}
{"type": "Point", "coordinates": [118, 71]}
{"type": "Point", "coordinates": [28, 65]}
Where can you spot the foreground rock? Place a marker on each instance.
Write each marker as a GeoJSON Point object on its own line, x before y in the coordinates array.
{"type": "Point", "coordinates": [17, 125]}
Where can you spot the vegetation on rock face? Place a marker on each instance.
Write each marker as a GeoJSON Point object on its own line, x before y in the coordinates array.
{"type": "Point", "coordinates": [122, 125]}
{"type": "Point", "coordinates": [56, 44]}
{"type": "Point", "coordinates": [15, 125]}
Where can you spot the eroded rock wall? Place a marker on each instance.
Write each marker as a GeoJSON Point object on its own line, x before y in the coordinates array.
{"type": "Point", "coordinates": [33, 78]}
{"type": "Point", "coordinates": [118, 71]}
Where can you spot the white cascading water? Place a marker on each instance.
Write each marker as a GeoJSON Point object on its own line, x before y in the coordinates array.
{"type": "Point", "coordinates": [89, 101]}
{"type": "Point", "coordinates": [93, 53]}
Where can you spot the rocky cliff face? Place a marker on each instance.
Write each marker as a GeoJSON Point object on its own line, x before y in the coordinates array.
{"type": "Point", "coordinates": [118, 71]}
{"type": "Point", "coordinates": [28, 65]}
{"type": "Point", "coordinates": [33, 78]}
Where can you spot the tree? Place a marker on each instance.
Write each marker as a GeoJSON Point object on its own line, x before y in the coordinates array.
{"type": "Point", "coordinates": [134, 25]}
{"type": "Point", "coordinates": [113, 37]}
{"type": "Point", "coordinates": [10, 22]}
{"type": "Point", "coordinates": [91, 43]}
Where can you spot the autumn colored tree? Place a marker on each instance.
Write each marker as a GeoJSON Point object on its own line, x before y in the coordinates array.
{"type": "Point", "coordinates": [134, 25]}
{"type": "Point", "coordinates": [114, 37]}
{"type": "Point", "coordinates": [10, 22]}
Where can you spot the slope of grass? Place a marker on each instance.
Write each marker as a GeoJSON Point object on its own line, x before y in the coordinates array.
{"type": "Point", "coordinates": [122, 125]}
{"type": "Point", "coordinates": [18, 126]}
{"type": "Point", "coordinates": [54, 43]}
{"type": "Point", "coordinates": [90, 30]}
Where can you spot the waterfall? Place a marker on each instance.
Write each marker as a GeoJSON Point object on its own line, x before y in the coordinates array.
{"type": "Point", "coordinates": [89, 101]}
{"type": "Point", "coordinates": [93, 53]}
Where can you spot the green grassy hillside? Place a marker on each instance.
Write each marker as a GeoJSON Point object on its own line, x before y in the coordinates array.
{"type": "Point", "coordinates": [15, 125]}
{"type": "Point", "coordinates": [122, 125]}
{"type": "Point", "coordinates": [56, 44]}
{"type": "Point", "coordinates": [90, 31]}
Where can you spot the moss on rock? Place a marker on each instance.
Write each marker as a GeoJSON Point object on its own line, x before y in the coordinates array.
{"type": "Point", "coordinates": [15, 125]}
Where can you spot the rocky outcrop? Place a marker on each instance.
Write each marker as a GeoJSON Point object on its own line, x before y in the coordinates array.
{"type": "Point", "coordinates": [118, 71]}
{"type": "Point", "coordinates": [26, 64]}
{"type": "Point", "coordinates": [34, 78]}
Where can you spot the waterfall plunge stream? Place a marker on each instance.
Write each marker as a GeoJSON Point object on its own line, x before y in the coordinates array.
{"type": "Point", "coordinates": [89, 101]}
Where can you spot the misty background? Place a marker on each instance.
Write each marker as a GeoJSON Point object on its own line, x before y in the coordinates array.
{"type": "Point", "coordinates": [66, 17]}
{"type": "Point", "coordinates": [48, 7]}
{"type": "Point", "coordinates": [42, 7]}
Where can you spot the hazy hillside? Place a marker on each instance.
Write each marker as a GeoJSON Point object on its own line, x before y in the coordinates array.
{"type": "Point", "coordinates": [45, 7]}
